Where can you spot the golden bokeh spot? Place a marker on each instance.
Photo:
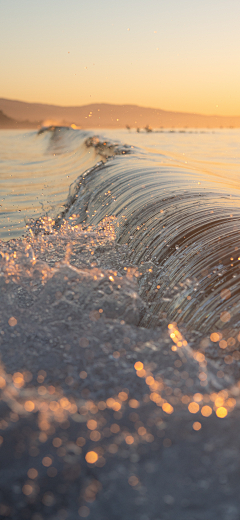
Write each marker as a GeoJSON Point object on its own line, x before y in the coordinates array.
{"type": "Point", "coordinates": [138, 365]}
{"type": "Point", "coordinates": [202, 376]}
{"type": "Point", "coordinates": [102, 405]}
{"type": "Point", "coordinates": [57, 442]}
{"type": "Point", "coordinates": [141, 373]}
{"type": "Point", "coordinates": [129, 439]}
{"type": "Point", "coordinates": [214, 337]}
{"type": "Point", "coordinates": [133, 403]}
{"type": "Point", "coordinates": [12, 321]}
{"type": "Point", "coordinates": [167, 408]}
{"type": "Point", "coordinates": [231, 342]}
{"type": "Point", "coordinates": [149, 380]}
{"type": "Point", "coordinates": [42, 390]}
{"type": "Point", "coordinates": [198, 397]}
{"type": "Point", "coordinates": [83, 374]}
{"type": "Point", "coordinates": [64, 402]}
{"type": "Point", "coordinates": [223, 343]}
{"type": "Point", "coordinates": [142, 430]}
{"type": "Point", "coordinates": [92, 424]}
{"type": "Point", "coordinates": [231, 403]}
{"type": "Point", "coordinates": [27, 489]}
{"type": "Point", "coordinates": [225, 316]}
{"type": "Point", "coordinates": [115, 428]}
{"type": "Point", "coordinates": [199, 356]}
{"type": "Point", "coordinates": [219, 401]}
{"type": "Point", "coordinates": [133, 480]}
{"type": "Point", "coordinates": [206, 411]}
{"type": "Point", "coordinates": [225, 294]}
{"type": "Point", "coordinates": [91, 457]}
{"type": "Point", "coordinates": [18, 380]}
{"type": "Point", "coordinates": [197, 426]}
{"type": "Point", "coordinates": [54, 406]}
{"type": "Point", "coordinates": [221, 412]}
{"type": "Point", "coordinates": [29, 406]}
{"type": "Point", "coordinates": [95, 436]}
{"type": "Point", "coordinates": [110, 402]}
{"type": "Point", "coordinates": [32, 473]}
{"type": "Point", "coordinates": [47, 461]}
{"type": "Point", "coordinates": [193, 407]}
{"type": "Point", "coordinates": [80, 441]}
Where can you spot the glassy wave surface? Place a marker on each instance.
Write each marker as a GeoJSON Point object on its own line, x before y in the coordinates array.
{"type": "Point", "coordinates": [174, 198]}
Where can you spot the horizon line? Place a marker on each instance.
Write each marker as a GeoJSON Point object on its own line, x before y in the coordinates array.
{"type": "Point", "coordinates": [118, 105]}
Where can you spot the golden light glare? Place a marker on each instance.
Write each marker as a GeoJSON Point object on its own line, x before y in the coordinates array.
{"type": "Point", "coordinates": [92, 424]}
{"type": "Point", "coordinates": [138, 365]}
{"type": "Point", "coordinates": [91, 457]}
{"type": "Point", "coordinates": [223, 344]}
{"type": "Point", "coordinates": [133, 403]}
{"type": "Point", "coordinates": [221, 412]}
{"type": "Point", "coordinates": [57, 442]}
{"type": "Point", "coordinates": [12, 321]}
{"type": "Point", "coordinates": [32, 473]}
{"type": "Point", "coordinates": [95, 436]}
{"type": "Point", "coordinates": [197, 426]}
{"type": "Point", "coordinates": [29, 406]}
{"type": "Point", "coordinates": [47, 461]}
{"type": "Point", "coordinates": [167, 408]}
{"type": "Point", "coordinates": [129, 439]}
{"type": "Point", "coordinates": [193, 407]}
{"type": "Point", "coordinates": [206, 411]}
{"type": "Point", "coordinates": [214, 337]}
{"type": "Point", "coordinates": [198, 397]}
{"type": "Point", "coordinates": [27, 489]}
{"type": "Point", "coordinates": [225, 316]}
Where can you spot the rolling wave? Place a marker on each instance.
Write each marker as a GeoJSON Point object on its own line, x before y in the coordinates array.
{"type": "Point", "coordinates": [182, 223]}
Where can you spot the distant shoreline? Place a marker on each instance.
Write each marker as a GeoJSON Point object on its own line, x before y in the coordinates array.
{"type": "Point", "coordinates": [19, 114]}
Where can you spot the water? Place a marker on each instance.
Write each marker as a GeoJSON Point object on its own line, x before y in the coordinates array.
{"type": "Point", "coordinates": [119, 324]}
{"type": "Point", "coordinates": [174, 196]}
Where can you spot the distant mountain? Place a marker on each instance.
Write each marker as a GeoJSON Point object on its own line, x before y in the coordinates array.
{"type": "Point", "coordinates": [111, 116]}
{"type": "Point", "coordinates": [8, 122]}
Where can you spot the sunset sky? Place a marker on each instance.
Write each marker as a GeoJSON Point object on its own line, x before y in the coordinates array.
{"type": "Point", "coordinates": [180, 55]}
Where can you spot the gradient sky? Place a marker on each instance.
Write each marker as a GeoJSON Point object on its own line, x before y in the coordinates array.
{"type": "Point", "coordinates": [180, 55]}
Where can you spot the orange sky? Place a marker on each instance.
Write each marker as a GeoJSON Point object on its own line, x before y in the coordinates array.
{"type": "Point", "coordinates": [179, 55]}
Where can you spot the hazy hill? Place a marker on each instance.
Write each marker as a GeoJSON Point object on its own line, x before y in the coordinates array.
{"type": "Point", "coordinates": [8, 122]}
{"type": "Point", "coordinates": [111, 116]}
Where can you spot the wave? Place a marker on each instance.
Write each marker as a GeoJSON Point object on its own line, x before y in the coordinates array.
{"type": "Point", "coordinates": [180, 222]}
{"type": "Point", "coordinates": [184, 224]}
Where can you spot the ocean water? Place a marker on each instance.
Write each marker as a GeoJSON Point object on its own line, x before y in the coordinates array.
{"type": "Point", "coordinates": [174, 197]}
{"type": "Point", "coordinates": [119, 325]}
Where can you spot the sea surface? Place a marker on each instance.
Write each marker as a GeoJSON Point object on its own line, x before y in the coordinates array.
{"type": "Point", "coordinates": [119, 325]}
{"type": "Point", "coordinates": [174, 197]}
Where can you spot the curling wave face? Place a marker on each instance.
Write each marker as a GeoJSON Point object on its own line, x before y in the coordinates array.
{"type": "Point", "coordinates": [180, 219]}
